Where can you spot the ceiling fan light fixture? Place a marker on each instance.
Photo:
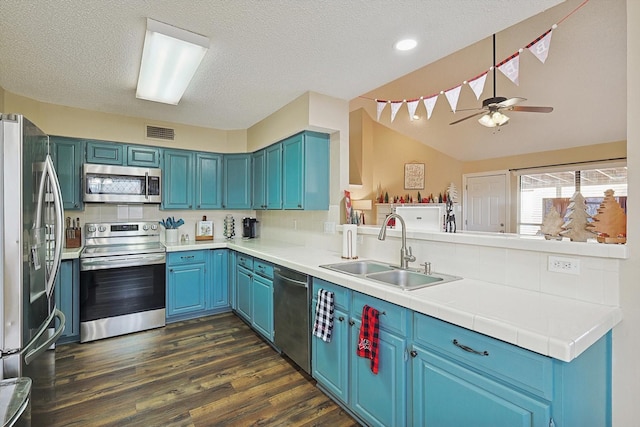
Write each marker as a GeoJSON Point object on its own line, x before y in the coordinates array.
{"type": "Point", "coordinates": [493, 119]}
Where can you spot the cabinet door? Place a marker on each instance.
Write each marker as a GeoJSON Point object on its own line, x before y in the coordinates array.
{"type": "Point", "coordinates": [445, 393]}
{"type": "Point", "coordinates": [185, 289]}
{"type": "Point", "coordinates": [258, 166]}
{"type": "Point", "coordinates": [67, 156]}
{"type": "Point", "coordinates": [243, 295]}
{"type": "Point", "coordinates": [262, 306]}
{"type": "Point", "coordinates": [331, 359]}
{"type": "Point", "coordinates": [177, 176]}
{"type": "Point", "coordinates": [273, 176]}
{"type": "Point", "coordinates": [148, 157]}
{"type": "Point", "coordinates": [68, 299]}
{"type": "Point", "coordinates": [380, 399]}
{"type": "Point", "coordinates": [208, 181]}
{"type": "Point", "coordinates": [219, 283]}
{"type": "Point", "coordinates": [293, 173]}
{"type": "Point", "coordinates": [106, 153]}
{"type": "Point", "coordinates": [237, 181]}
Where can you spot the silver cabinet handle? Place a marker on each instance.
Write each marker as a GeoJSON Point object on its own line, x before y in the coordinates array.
{"type": "Point", "coordinates": [469, 349]}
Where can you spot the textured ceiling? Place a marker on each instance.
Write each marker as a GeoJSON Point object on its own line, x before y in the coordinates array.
{"type": "Point", "coordinates": [264, 54]}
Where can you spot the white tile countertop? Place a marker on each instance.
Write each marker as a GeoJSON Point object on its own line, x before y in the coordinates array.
{"type": "Point", "coordinates": [554, 326]}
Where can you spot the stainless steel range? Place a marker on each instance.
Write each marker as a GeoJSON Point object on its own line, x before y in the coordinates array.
{"type": "Point", "coordinates": [122, 279]}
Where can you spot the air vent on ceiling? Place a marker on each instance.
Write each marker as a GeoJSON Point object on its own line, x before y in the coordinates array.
{"type": "Point", "coordinates": [157, 132]}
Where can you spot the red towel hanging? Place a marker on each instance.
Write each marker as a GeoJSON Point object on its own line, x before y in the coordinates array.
{"type": "Point", "coordinates": [368, 337]}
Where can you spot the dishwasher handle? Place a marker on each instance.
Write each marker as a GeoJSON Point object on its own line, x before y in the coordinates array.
{"type": "Point", "coordinates": [291, 277]}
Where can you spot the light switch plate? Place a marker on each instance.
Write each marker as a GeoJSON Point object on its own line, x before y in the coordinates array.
{"type": "Point", "coordinates": [564, 265]}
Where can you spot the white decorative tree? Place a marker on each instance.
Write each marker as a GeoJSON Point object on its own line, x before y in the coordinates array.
{"type": "Point", "coordinates": [576, 227]}
{"type": "Point", "coordinates": [552, 225]}
{"type": "Point", "coordinates": [453, 192]}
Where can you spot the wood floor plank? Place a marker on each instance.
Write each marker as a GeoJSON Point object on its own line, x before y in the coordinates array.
{"type": "Point", "coordinates": [196, 373]}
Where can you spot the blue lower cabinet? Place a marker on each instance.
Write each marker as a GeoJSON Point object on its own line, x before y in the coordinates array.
{"type": "Point", "coordinates": [68, 299]}
{"type": "Point", "coordinates": [186, 289]}
{"type": "Point", "coordinates": [262, 306]}
{"type": "Point", "coordinates": [244, 286]}
{"type": "Point", "coordinates": [330, 360]}
{"type": "Point", "coordinates": [197, 283]}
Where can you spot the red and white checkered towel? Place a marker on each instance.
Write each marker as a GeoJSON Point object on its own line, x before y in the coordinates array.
{"type": "Point", "coordinates": [323, 325]}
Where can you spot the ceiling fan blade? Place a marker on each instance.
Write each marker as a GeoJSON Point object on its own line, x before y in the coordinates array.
{"type": "Point", "coordinates": [468, 117]}
{"type": "Point", "coordinates": [511, 101]}
{"type": "Point", "coordinates": [529, 109]}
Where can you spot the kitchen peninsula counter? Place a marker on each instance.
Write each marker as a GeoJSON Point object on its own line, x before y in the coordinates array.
{"type": "Point", "coordinates": [554, 326]}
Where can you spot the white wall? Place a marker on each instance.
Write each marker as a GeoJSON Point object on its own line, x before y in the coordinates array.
{"type": "Point", "coordinates": [626, 336]}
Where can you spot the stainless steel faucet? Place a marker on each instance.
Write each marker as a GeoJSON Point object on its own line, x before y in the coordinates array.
{"type": "Point", "coordinates": [405, 252]}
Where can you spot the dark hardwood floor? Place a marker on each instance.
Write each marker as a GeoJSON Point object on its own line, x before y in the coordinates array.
{"type": "Point", "coordinates": [212, 371]}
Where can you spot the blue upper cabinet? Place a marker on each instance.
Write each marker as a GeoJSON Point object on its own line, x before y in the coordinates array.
{"type": "Point", "coordinates": [237, 181]}
{"type": "Point", "coordinates": [67, 155]}
{"type": "Point", "coordinates": [106, 153]}
{"type": "Point", "coordinates": [177, 176]}
{"type": "Point", "coordinates": [208, 181]}
{"type": "Point", "coordinates": [305, 160]}
{"type": "Point", "coordinates": [148, 157]}
{"type": "Point", "coordinates": [267, 177]}
{"type": "Point", "coordinates": [273, 185]}
{"type": "Point", "coordinates": [259, 171]}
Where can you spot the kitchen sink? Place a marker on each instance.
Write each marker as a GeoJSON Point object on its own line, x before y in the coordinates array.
{"type": "Point", "coordinates": [390, 275]}
{"type": "Point", "coordinates": [360, 267]}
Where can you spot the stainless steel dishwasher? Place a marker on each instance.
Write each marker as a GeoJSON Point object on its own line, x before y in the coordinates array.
{"type": "Point", "coordinates": [292, 329]}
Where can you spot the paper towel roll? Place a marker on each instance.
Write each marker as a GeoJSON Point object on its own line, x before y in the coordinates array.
{"type": "Point", "coordinates": [349, 238]}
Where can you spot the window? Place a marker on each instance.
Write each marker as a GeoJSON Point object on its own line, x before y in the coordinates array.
{"type": "Point", "coordinates": [541, 191]}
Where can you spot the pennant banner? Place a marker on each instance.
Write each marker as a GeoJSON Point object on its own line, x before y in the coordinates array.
{"type": "Point", "coordinates": [511, 68]}
{"type": "Point", "coordinates": [395, 106]}
{"type": "Point", "coordinates": [477, 84]}
{"type": "Point", "coordinates": [412, 105]}
{"type": "Point", "coordinates": [429, 103]}
{"type": "Point", "coordinates": [452, 96]}
{"type": "Point", "coordinates": [381, 105]}
{"type": "Point", "coordinates": [540, 46]}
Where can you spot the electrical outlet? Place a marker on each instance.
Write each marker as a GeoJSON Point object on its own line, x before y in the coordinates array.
{"type": "Point", "coordinates": [330, 227]}
{"type": "Point", "coordinates": [564, 265]}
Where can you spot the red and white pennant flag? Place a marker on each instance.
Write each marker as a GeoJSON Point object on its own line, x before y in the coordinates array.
{"type": "Point", "coordinates": [511, 68]}
{"type": "Point", "coordinates": [477, 84]}
{"type": "Point", "coordinates": [540, 46]}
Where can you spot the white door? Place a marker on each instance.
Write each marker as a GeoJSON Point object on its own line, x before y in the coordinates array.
{"type": "Point", "coordinates": [486, 203]}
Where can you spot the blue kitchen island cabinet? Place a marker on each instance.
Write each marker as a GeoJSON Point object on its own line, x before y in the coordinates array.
{"type": "Point", "coordinates": [68, 299]}
{"type": "Point", "coordinates": [237, 181]}
{"type": "Point", "coordinates": [330, 360]}
{"type": "Point", "coordinates": [68, 156]}
{"type": "Point", "coordinates": [186, 283]}
{"type": "Point", "coordinates": [305, 171]}
{"type": "Point", "coordinates": [455, 376]}
{"type": "Point", "coordinates": [377, 399]}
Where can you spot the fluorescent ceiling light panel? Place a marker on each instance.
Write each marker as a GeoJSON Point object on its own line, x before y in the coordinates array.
{"type": "Point", "coordinates": [170, 58]}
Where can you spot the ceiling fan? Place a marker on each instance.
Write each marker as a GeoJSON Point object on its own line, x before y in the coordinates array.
{"type": "Point", "coordinates": [493, 108]}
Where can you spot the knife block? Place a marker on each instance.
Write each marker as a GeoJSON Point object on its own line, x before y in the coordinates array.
{"type": "Point", "coordinates": [73, 238]}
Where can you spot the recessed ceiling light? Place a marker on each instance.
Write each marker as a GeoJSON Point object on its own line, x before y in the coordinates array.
{"type": "Point", "coordinates": [406, 44]}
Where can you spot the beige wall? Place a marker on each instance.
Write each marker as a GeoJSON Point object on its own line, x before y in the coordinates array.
{"type": "Point", "coordinates": [578, 154]}
{"type": "Point", "coordinates": [1, 99]}
{"type": "Point", "coordinates": [75, 122]}
{"type": "Point", "coordinates": [387, 151]}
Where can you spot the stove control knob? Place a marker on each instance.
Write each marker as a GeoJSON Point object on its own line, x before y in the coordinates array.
{"type": "Point", "coordinates": [154, 227]}
{"type": "Point", "coordinates": [102, 228]}
{"type": "Point", "coordinates": [145, 227]}
{"type": "Point", "coordinates": [92, 229]}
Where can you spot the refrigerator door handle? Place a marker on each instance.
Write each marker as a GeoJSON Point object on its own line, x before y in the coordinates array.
{"type": "Point", "coordinates": [59, 220]}
{"type": "Point", "coordinates": [32, 353]}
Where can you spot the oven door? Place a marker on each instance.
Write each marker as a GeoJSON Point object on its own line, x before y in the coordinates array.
{"type": "Point", "coordinates": [121, 294]}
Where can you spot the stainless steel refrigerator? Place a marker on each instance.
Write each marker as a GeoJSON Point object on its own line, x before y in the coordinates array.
{"type": "Point", "coordinates": [31, 240]}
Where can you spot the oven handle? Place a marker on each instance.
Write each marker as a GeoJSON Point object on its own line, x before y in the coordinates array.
{"type": "Point", "coordinates": [104, 263]}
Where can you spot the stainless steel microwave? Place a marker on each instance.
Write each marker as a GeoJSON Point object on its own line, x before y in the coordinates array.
{"type": "Point", "coordinates": [121, 184]}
